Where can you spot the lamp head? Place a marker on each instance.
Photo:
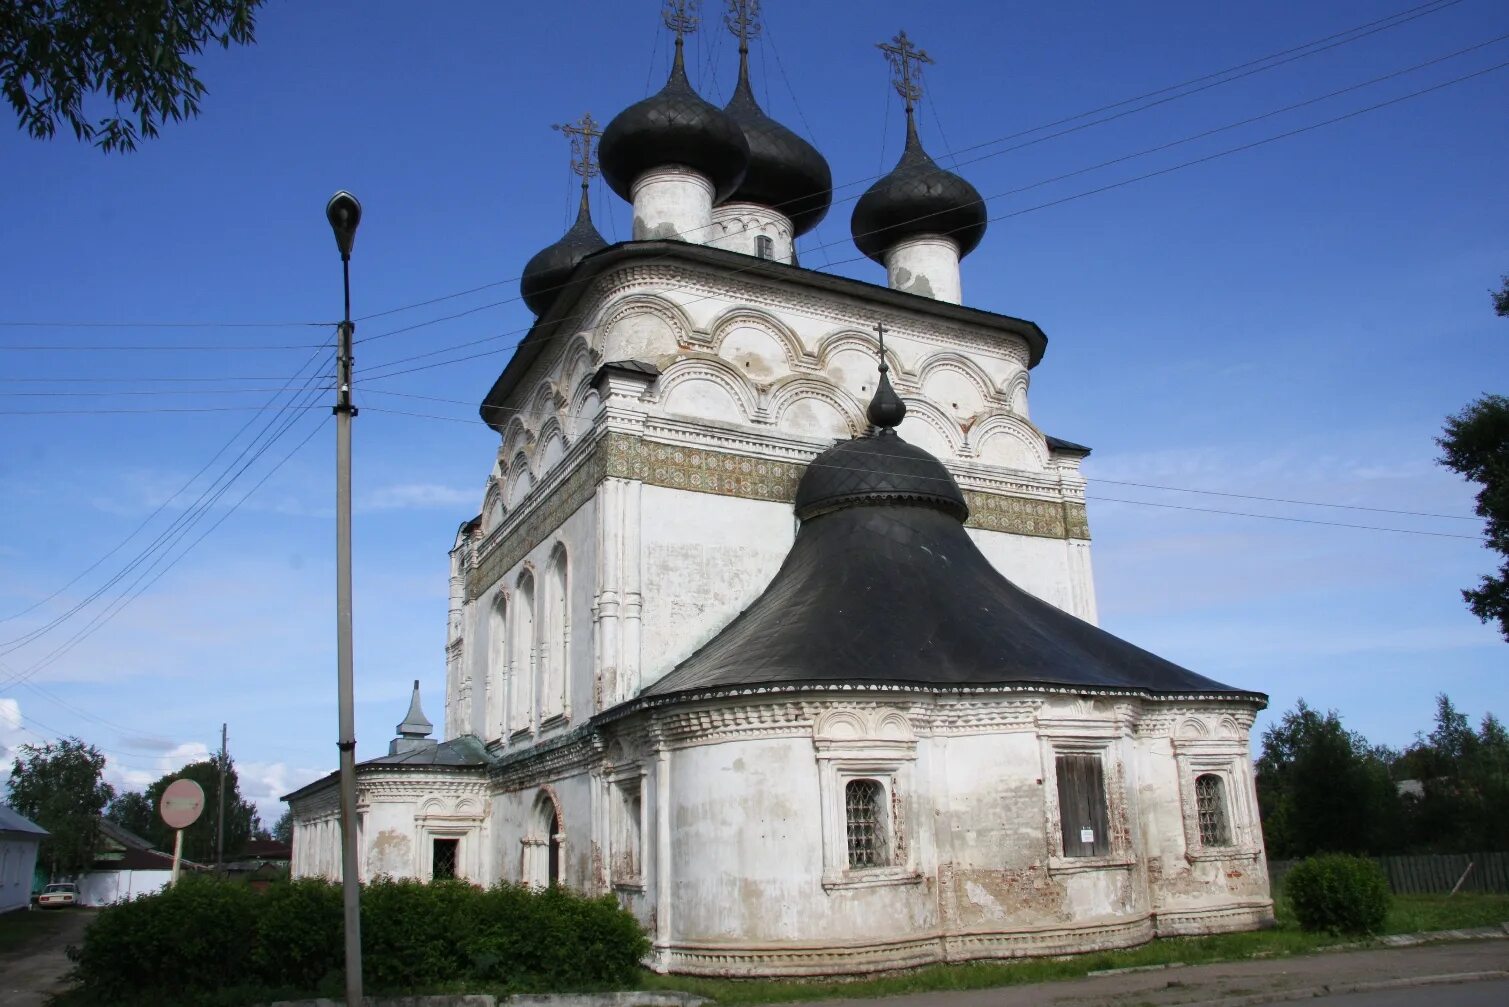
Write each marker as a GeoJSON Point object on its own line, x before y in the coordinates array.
{"type": "Point", "coordinates": [344, 212]}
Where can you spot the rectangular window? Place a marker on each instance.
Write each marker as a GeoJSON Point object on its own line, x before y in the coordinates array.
{"type": "Point", "coordinates": [764, 246]}
{"type": "Point", "coordinates": [443, 859]}
{"type": "Point", "coordinates": [1082, 806]}
{"type": "Point", "coordinates": [865, 810]}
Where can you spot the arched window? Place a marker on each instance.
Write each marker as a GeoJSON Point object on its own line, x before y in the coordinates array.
{"type": "Point", "coordinates": [553, 672]}
{"type": "Point", "coordinates": [497, 666]}
{"type": "Point", "coordinates": [543, 845]}
{"type": "Point", "coordinates": [865, 811]}
{"type": "Point", "coordinates": [1210, 805]}
{"type": "Point", "coordinates": [520, 694]}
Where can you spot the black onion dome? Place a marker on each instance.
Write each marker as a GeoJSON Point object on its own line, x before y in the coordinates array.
{"type": "Point", "coordinates": [785, 172]}
{"type": "Point", "coordinates": [550, 268]}
{"type": "Point", "coordinates": [917, 198]}
{"type": "Point", "coordinates": [674, 126]}
{"type": "Point", "coordinates": [880, 468]}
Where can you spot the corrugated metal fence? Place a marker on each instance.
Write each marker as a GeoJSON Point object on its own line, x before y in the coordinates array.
{"type": "Point", "coordinates": [1428, 873]}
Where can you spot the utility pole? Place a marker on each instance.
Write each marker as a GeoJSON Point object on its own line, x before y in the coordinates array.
{"type": "Point", "coordinates": [344, 214]}
{"type": "Point", "coordinates": [220, 815]}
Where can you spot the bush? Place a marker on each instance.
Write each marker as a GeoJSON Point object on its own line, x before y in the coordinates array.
{"type": "Point", "coordinates": [195, 935]}
{"type": "Point", "coordinates": [1339, 894]}
{"type": "Point", "coordinates": [184, 944]}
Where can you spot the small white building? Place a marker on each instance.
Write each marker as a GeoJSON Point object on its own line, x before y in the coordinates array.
{"type": "Point", "coordinates": [794, 653]}
{"type": "Point", "coordinates": [125, 866]}
{"type": "Point", "coordinates": [19, 838]}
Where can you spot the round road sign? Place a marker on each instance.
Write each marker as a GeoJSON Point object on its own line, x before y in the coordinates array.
{"type": "Point", "coordinates": [182, 803]}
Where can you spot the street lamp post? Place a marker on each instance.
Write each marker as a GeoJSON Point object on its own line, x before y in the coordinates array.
{"type": "Point", "coordinates": [345, 213]}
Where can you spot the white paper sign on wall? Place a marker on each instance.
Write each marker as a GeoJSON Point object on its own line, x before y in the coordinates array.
{"type": "Point", "coordinates": [1087, 835]}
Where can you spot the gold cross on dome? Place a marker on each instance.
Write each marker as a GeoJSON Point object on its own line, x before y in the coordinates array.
{"type": "Point", "coordinates": [743, 19]}
{"type": "Point", "coordinates": [680, 16]}
{"type": "Point", "coordinates": [581, 134]}
{"type": "Point", "coordinates": [906, 77]}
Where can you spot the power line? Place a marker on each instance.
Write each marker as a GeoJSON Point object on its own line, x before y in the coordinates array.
{"type": "Point", "coordinates": [1217, 78]}
{"type": "Point", "coordinates": [369, 376]}
{"type": "Point", "coordinates": [1286, 500]}
{"type": "Point", "coordinates": [163, 506]}
{"type": "Point", "coordinates": [1278, 517]}
{"type": "Point", "coordinates": [91, 411]}
{"type": "Point", "coordinates": [190, 516]}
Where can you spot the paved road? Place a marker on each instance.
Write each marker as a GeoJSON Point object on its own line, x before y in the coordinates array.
{"type": "Point", "coordinates": [33, 972]}
{"type": "Point", "coordinates": [1480, 994]}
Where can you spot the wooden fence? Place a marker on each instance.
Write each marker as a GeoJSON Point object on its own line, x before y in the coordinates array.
{"type": "Point", "coordinates": [1428, 873]}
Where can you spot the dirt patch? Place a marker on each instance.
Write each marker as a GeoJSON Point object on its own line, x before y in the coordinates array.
{"type": "Point", "coordinates": [34, 953]}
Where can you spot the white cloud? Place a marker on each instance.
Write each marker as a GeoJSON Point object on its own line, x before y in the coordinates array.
{"type": "Point", "coordinates": [265, 783]}
{"type": "Point", "coordinates": [418, 496]}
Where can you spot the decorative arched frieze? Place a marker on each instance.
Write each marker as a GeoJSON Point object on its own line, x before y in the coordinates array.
{"type": "Point", "coordinates": [641, 327]}
{"type": "Point", "coordinates": [958, 385]}
{"type": "Point", "coordinates": [551, 446]}
{"type": "Point", "coordinates": [692, 387]}
{"type": "Point", "coordinates": [814, 406]}
{"type": "Point", "coordinates": [847, 357]}
{"type": "Point", "coordinates": [519, 481]}
{"type": "Point", "coordinates": [493, 509]}
{"type": "Point", "coordinates": [1014, 390]}
{"type": "Point", "coordinates": [930, 428]}
{"type": "Point", "coordinates": [1008, 440]}
{"type": "Point", "coordinates": [758, 343]}
{"type": "Point", "coordinates": [518, 437]}
{"type": "Point", "coordinates": [1192, 727]}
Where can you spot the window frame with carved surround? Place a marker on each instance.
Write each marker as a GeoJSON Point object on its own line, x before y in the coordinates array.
{"type": "Point", "coordinates": [626, 828]}
{"type": "Point", "coordinates": [1098, 739]}
{"type": "Point", "coordinates": [1226, 759]}
{"type": "Point", "coordinates": [879, 746]}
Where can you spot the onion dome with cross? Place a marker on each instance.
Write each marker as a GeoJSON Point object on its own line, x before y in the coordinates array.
{"type": "Point", "coordinates": [547, 273]}
{"type": "Point", "coordinates": [674, 155]}
{"type": "Point", "coordinates": [786, 173]}
{"type": "Point", "coordinates": [919, 220]}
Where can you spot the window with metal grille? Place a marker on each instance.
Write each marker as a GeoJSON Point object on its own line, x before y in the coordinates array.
{"type": "Point", "coordinates": [764, 246]}
{"type": "Point", "coordinates": [1082, 806]}
{"type": "Point", "coordinates": [443, 858]}
{"type": "Point", "coordinates": [1210, 804]}
{"type": "Point", "coordinates": [865, 809]}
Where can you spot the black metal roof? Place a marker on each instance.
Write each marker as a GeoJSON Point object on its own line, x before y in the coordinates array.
{"type": "Point", "coordinates": [880, 467]}
{"type": "Point", "coordinates": [785, 171]}
{"type": "Point", "coordinates": [885, 591]}
{"type": "Point", "coordinates": [546, 274]}
{"type": "Point", "coordinates": [917, 198]}
{"type": "Point", "coordinates": [673, 126]}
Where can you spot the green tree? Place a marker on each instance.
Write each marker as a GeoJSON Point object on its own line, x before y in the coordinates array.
{"type": "Point", "coordinates": [1464, 780]}
{"type": "Point", "coordinates": [1324, 789]}
{"type": "Point", "coordinates": [1475, 445]}
{"type": "Point", "coordinates": [61, 786]}
{"type": "Point", "coordinates": [282, 829]}
{"type": "Point", "coordinates": [241, 819]}
{"type": "Point", "coordinates": [133, 812]}
{"type": "Point", "coordinates": [133, 54]}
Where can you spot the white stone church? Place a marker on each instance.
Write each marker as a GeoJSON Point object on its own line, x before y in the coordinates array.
{"type": "Point", "coordinates": [778, 619]}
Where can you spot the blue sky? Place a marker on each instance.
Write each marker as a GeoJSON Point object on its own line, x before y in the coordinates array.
{"type": "Point", "coordinates": [1291, 321]}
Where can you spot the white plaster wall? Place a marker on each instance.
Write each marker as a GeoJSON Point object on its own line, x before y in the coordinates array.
{"type": "Point", "coordinates": [100, 888]}
{"type": "Point", "coordinates": [705, 558]}
{"type": "Point", "coordinates": [390, 841]}
{"type": "Point", "coordinates": [482, 661]}
{"type": "Point", "coordinates": [1055, 570]}
{"type": "Point", "coordinates": [673, 202]}
{"type": "Point", "coordinates": [927, 266]}
{"type": "Point", "coordinates": [18, 861]}
{"type": "Point", "coordinates": [737, 225]}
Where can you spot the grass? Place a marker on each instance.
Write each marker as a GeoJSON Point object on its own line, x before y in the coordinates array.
{"type": "Point", "coordinates": [1408, 914]}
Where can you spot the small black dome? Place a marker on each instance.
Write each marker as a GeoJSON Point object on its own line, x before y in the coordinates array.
{"type": "Point", "coordinates": [674, 126]}
{"type": "Point", "coordinates": [879, 468]}
{"type": "Point", "coordinates": [551, 267]}
{"type": "Point", "coordinates": [917, 198]}
{"type": "Point", "coordinates": [785, 172]}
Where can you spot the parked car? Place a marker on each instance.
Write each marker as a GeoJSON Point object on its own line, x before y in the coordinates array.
{"type": "Point", "coordinates": [62, 894]}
